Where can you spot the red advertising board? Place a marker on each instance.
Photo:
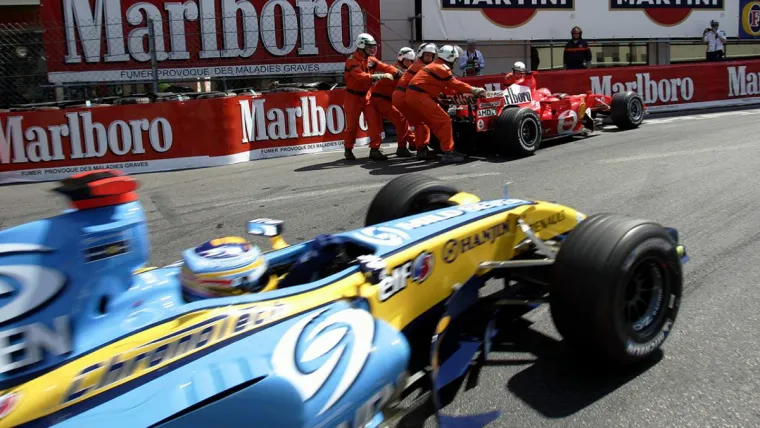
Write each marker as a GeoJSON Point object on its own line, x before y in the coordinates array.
{"type": "Point", "coordinates": [107, 40]}
{"type": "Point", "coordinates": [661, 87]}
{"type": "Point", "coordinates": [48, 145]}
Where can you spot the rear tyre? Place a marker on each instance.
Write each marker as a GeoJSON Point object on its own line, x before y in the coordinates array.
{"type": "Point", "coordinates": [616, 287]}
{"type": "Point", "coordinates": [407, 195]}
{"type": "Point", "coordinates": [627, 110]}
{"type": "Point", "coordinates": [518, 132]}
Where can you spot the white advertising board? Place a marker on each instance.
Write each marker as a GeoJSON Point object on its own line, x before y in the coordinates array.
{"type": "Point", "coordinates": [501, 20]}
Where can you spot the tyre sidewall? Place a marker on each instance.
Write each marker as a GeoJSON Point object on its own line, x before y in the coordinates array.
{"type": "Point", "coordinates": [627, 256]}
{"type": "Point", "coordinates": [634, 99]}
{"type": "Point", "coordinates": [525, 118]}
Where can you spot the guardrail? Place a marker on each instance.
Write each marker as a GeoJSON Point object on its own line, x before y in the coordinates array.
{"type": "Point", "coordinates": [167, 131]}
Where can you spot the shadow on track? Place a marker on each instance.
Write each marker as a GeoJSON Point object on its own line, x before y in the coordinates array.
{"type": "Point", "coordinates": [556, 384]}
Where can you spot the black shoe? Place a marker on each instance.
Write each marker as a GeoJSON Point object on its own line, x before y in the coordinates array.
{"type": "Point", "coordinates": [425, 153]}
{"type": "Point", "coordinates": [412, 148]}
{"type": "Point", "coordinates": [453, 157]}
{"type": "Point", "coordinates": [376, 154]}
{"type": "Point", "coordinates": [349, 154]}
{"type": "Point", "coordinates": [403, 152]}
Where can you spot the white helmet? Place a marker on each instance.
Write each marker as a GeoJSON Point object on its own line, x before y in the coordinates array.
{"type": "Point", "coordinates": [406, 53]}
{"type": "Point", "coordinates": [448, 53]}
{"type": "Point", "coordinates": [365, 40]}
{"type": "Point", "coordinates": [520, 67]}
{"type": "Point", "coordinates": [427, 47]}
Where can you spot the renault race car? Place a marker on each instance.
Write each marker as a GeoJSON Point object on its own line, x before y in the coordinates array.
{"type": "Point", "coordinates": [320, 333]}
{"type": "Point", "coordinates": [518, 119]}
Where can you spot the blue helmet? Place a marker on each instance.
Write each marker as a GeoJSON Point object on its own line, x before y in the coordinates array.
{"type": "Point", "coordinates": [222, 267]}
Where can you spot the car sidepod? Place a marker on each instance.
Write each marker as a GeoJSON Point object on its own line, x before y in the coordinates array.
{"type": "Point", "coordinates": [335, 365]}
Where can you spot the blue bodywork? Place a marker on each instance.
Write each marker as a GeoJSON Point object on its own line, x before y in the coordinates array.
{"type": "Point", "coordinates": [90, 298]}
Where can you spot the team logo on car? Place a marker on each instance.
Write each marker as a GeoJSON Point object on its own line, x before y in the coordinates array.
{"type": "Point", "coordinates": [669, 13]}
{"type": "Point", "coordinates": [510, 14]}
{"type": "Point", "coordinates": [382, 235]}
{"type": "Point", "coordinates": [750, 18]}
{"type": "Point", "coordinates": [422, 267]}
{"type": "Point", "coordinates": [224, 248]}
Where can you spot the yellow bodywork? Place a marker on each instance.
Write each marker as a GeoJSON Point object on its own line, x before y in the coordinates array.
{"type": "Point", "coordinates": [457, 255]}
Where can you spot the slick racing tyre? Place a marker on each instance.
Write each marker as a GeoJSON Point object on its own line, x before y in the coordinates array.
{"type": "Point", "coordinates": [627, 110]}
{"type": "Point", "coordinates": [615, 288]}
{"type": "Point", "coordinates": [518, 132]}
{"type": "Point", "coordinates": [407, 195]}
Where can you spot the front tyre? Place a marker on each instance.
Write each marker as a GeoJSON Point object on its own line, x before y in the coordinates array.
{"type": "Point", "coordinates": [407, 195]}
{"type": "Point", "coordinates": [616, 288]}
{"type": "Point", "coordinates": [627, 110]}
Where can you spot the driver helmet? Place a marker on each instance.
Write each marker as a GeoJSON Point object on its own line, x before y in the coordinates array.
{"type": "Point", "coordinates": [222, 267]}
{"type": "Point", "coordinates": [519, 69]}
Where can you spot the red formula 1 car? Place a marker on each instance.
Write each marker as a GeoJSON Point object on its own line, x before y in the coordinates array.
{"type": "Point", "coordinates": [517, 120]}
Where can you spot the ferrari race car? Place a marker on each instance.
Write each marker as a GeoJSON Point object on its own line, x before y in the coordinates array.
{"type": "Point", "coordinates": [320, 333]}
{"type": "Point", "coordinates": [517, 120]}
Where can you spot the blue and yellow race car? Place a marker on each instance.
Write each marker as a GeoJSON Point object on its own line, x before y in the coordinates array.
{"type": "Point", "coordinates": [322, 333]}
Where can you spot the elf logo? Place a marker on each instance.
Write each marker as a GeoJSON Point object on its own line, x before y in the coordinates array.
{"type": "Point", "coordinates": [510, 13]}
{"type": "Point", "coordinates": [667, 12]}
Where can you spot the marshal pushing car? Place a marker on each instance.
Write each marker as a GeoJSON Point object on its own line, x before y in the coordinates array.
{"type": "Point", "coordinates": [320, 333]}
{"type": "Point", "coordinates": [517, 120]}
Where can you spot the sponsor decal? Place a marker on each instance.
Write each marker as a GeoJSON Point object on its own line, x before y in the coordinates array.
{"type": "Point", "coordinates": [667, 12]}
{"type": "Point", "coordinates": [104, 247]}
{"type": "Point", "coordinates": [548, 221]}
{"type": "Point", "coordinates": [453, 248]}
{"type": "Point", "coordinates": [81, 138]}
{"type": "Point", "coordinates": [639, 349]}
{"type": "Point", "coordinates": [449, 213]}
{"type": "Point", "coordinates": [347, 335]}
{"type": "Point", "coordinates": [23, 290]}
{"type": "Point", "coordinates": [741, 83]}
{"type": "Point", "coordinates": [130, 365]}
{"type": "Point", "coordinates": [490, 104]}
{"type": "Point", "coordinates": [509, 13]}
{"type": "Point", "coordinates": [382, 235]}
{"type": "Point", "coordinates": [487, 112]}
{"type": "Point", "coordinates": [566, 122]}
{"type": "Point", "coordinates": [417, 270]}
{"type": "Point", "coordinates": [8, 402]}
{"type": "Point", "coordinates": [664, 90]}
{"type": "Point", "coordinates": [749, 27]}
{"type": "Point", "coordinates": [518, 94]}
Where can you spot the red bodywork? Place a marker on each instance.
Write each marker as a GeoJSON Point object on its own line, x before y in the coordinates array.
{"type": "Point", "coordinates": [561, 114]}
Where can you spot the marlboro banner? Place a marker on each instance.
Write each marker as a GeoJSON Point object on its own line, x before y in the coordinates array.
{"type": "Point", "coordinates": [50, 145]}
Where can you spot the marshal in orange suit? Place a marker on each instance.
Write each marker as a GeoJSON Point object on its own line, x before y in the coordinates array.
{"type": "Point", "coordinates": [382, 101]}
{"type": "Point", "coordinates": [426, 54]}
{"type": "Point", "coordinates": [422, 94]}
{"type": "Point", "coordinates": [359, 76]}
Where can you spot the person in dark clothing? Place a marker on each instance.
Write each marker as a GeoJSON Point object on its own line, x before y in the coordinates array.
{"type": "Point", "coordinates": [577, 52]}
{"type": "Point", "coordinates": [534, 59]}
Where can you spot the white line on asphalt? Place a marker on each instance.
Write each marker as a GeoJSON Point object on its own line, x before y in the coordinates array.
{"type": "Point", "coordinates": [679, 153]}
{"type": "Point", "coordinates": [353, 189]}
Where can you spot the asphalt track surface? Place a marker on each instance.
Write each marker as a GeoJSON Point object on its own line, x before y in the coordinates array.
{"type": "Point", "coordinates": [695, 173]}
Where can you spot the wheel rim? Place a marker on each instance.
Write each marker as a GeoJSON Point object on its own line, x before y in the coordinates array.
{"type": "Point", "coordinates": [529, 132]}
{"type": "Point", "coordinates": [636, 110]}
{"type": "Point", "coordinates": [644, 300]}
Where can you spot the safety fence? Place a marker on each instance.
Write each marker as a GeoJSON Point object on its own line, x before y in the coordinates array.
{"type": "Point", "coordinates": [144, 49]}
{"type": "Point", "coordinates": [177, 131]}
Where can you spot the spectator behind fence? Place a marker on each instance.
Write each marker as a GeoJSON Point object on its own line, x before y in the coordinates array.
{"type": "Point", "coordinates": [577, 52]}
{"type": "Point", "coordinates": [715, 39]}
{"type": "Point", "coordinates": [472, 62]}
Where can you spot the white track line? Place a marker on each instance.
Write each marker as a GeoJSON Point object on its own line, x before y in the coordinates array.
{"type": "Point", "coordinates": [679, 153]}
{"type": "Point", "coordinates": [353, 189]}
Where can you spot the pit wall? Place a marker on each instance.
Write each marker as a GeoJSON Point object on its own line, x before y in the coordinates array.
{"type": "Point", "coordinates": [171, 135]}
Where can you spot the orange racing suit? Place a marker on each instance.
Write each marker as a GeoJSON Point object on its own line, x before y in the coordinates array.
{"type": "Point", "coordinates": [358, 78]}
{"type": "Point", "coordinates": [423, 92]}
{"type": "Point", "coordinates": [382, 101]}
{"type": "Point", "coordinates": [421, 131]}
